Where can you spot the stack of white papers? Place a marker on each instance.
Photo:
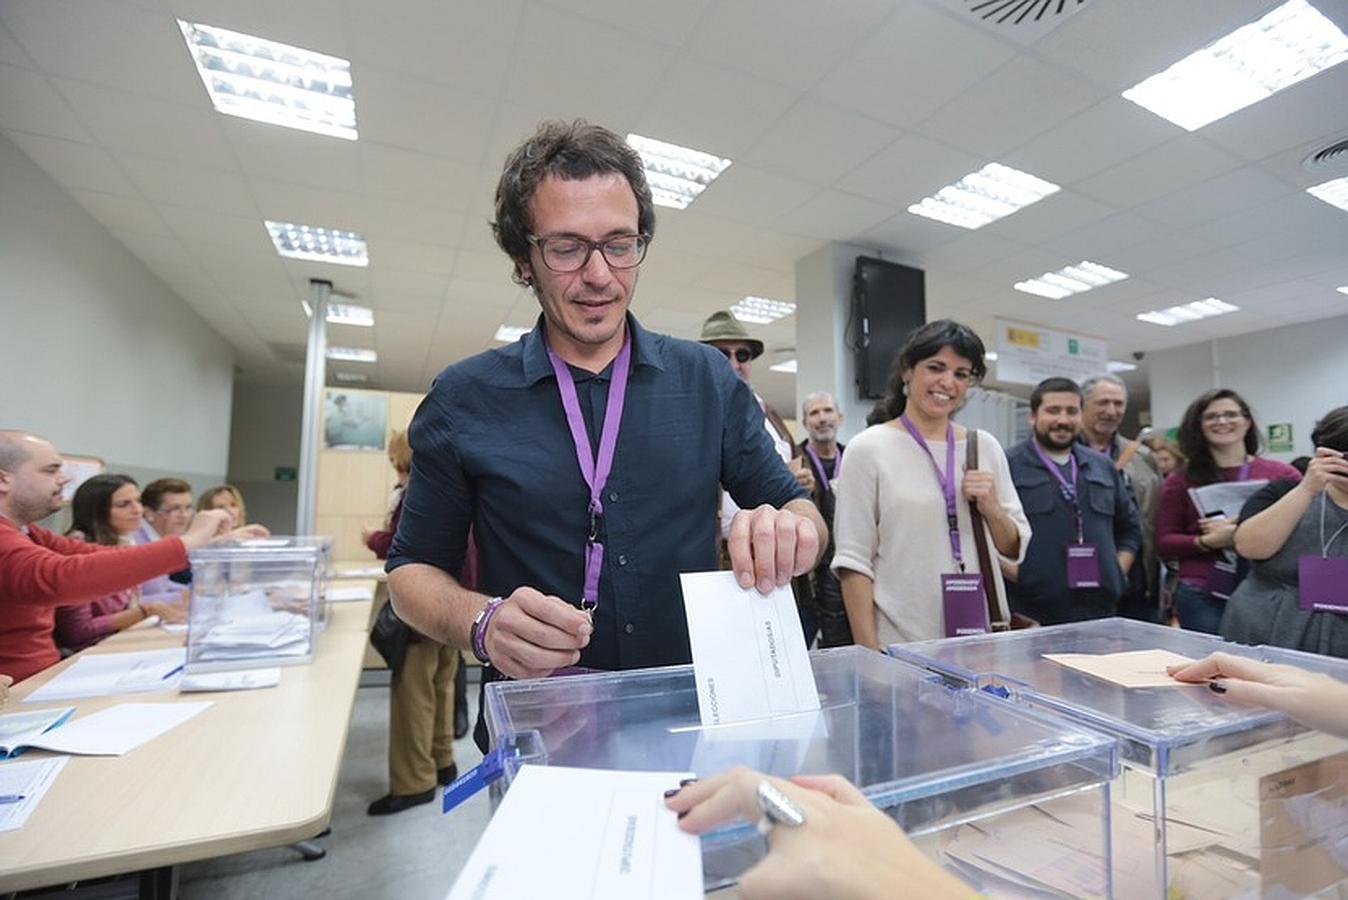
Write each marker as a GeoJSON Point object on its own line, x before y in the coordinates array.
{"type": "Point", "coordinates": [246, 680]}
{"type": "Point", "coordinates": [255, 634]}
{"type": "Point", "coordinates": [29, 780]}
{"type": "Point", "coordinates": [19, 730]}
{"type": "Point", "coordinates": [99, 674]}
{"type": "Point", "coordinates": [619, 841]}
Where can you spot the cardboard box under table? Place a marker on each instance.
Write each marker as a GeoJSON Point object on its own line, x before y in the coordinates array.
{"type": "Point", "coordinates": [1011, 799]}
{"type": "Point", "coordinates": [1216, 799]}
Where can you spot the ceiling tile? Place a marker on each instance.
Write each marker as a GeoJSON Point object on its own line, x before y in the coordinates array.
{"type": "Point", "coordinates": [207, 189]}
{"type": "Point", "coordinates": [392, 173]}
{"type": "Point", "coordinates": [712, 108]}
{"type": "Point", "coordinates": [307, 24]}
{"type": "Point", "coordinates": [909, 169]}
{"type": "Point", "coordinates": [458, 44]}
{"type": "Point", "coordinates": [29, 103]}
{"type": "Point", "coordinates": [118, 213]}
{"type": "Point", "coordinates": [10, 51]}
{"type": "Point", "coordinates": [411, 222]}
{"type": "Point", "coordinates": [76, 165]}
{"type": "Point", "coordinates": [1293, 116]}
{"type": "Point", "coordinates": [194, 226]}
{"type": "Point", "coordinates": [1104, 135]}
{"type": "Point", "coordinates": [1051, 217]}
{"type": "Point", "coordinates": [434, 258]}
{"type": "Point", "coordinates": [287, 154]}
{"type": "Point", "coordinates": [421, 115]}
{"type": "Point", "coordinates": [819, 143]}
{"type": "Point", "coordinates": [1229, 192]}
{"type": "Point", "coordinates": [910, 236]}
{"type": "Point", "coordinates": [285, 202]}
{"type": "Point", "coordinates": [1100, 239]}
{"type": "Point", "coordinates": [834, 215]}
{"type": "Point", "coordinates": [971, 250]}
{"type": "Point", "coordinates": [1158, 251]}
{"type": "Point", "coordinates": [652, 19]}
{"type": "Point", "coordinates": [750, 194]}
{"type": "Point", "coordinates": [405, 286]}
{"type": "Point", "coordinates": [1159, 171]}
{"type": "Point", "coordinates": [136, 124]}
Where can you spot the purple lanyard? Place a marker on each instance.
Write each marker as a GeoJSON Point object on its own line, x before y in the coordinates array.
{"type": "Point", "coordinates": [595, 473]}
{"type": "Point", "coordinates": [1066, 486]}
{"type": "Point", "coordinates": [819, 466]}
{"type": "Point", "coordinates": [947, 481]}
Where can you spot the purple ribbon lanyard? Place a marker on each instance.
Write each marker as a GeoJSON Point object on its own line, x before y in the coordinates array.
{"type": "Point", "coordinates": [1068, 488]}
{"type": "Point", "coordinates": [595, 472]}
{"type": "Point", "coordinates": [947, 480]}
{"type": "Point", "coordinates": [819, 466]}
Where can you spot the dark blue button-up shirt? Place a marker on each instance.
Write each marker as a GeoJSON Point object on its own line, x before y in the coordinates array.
{"type": "Point", "coordinates": [491, 449]}
{"type": "Point", "coordinates": [1109, 520]}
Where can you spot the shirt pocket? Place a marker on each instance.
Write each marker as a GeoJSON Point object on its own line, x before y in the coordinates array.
{"type": "Point", "coordinates": [1100, 491]}
{"type": "Point", "coordinates": [1037, 494]}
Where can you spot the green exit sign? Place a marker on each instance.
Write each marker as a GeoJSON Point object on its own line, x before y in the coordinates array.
{"type": "Point", "coordinates": [285, 473]}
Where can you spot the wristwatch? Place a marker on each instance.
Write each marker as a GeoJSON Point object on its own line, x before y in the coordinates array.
{"type": "Point", "coordinates": [477, 635]}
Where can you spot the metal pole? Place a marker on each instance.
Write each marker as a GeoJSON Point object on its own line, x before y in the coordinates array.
{"type": "Point", "coordinates": [315, 375]}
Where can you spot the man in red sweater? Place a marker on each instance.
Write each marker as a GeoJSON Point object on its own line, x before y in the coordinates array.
{"type": "Point", "coordinates": [40, 570]}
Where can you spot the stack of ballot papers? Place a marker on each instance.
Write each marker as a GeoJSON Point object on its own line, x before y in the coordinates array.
{"type": "Point", "coordinates": [26, 782]}
{"type": "Point", "coordinates": [19, 730]}
{"type": "Point", "coordinates": [116, 730]}
{"type": "Point", "coordinates": [249, 634]}
{"type": "Point", "coordinates": [584, 834]}
{"type": "Point", "coordinates": [98, 674]}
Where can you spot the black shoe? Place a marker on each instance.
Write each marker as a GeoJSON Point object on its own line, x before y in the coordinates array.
{"type": "Point", "coordinates": [448, 774]}
{"type": "Point", "coordinates": [460, 720]}
{"type": "Point", "coordinates": [396, 803]}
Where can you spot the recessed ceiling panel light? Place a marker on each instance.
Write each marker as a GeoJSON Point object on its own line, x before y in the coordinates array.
{"type": "Point", "coordinates": [761, 310]}
{"type": "Point", "coordinates": [1114, 366]}
{"type": "Point", "coordinates": [509, 334]}
{"type": "Point", "coordinates": [345, 314]}
{"type": "Point", "coordinates": [1189, 312]}
{"type": "Point", "coordinates": [984, 196]}
{"type": "Point", "coordinates": [1289, 44]}
{"type": "Point", "coordinates": [1335, 192]}
{"type": "Point", "coordinates": [272, 82]}
{"type": "Point", "coordinates": [353, 354]}
{"type": "Point", "coordinates": [310, 242]}
{"type": "Point", "coordinates": [1070, 280]}
{"type": "Point", "coordinates": [1342, 290]}
{"type": "Point", "coordinates": [990, 356]}
{"type": "Point", "coordinates": [788, 366]}
{"type": "Point", "coordinates": [676, 174]}
{"type": "Point", "coordinates": [351, 377]}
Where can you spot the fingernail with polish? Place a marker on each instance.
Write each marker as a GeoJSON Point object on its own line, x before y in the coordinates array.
{"type": "Point", "coordinates": [686, 782]}
{"type": "Point", "coordinates": [684, 813]}
{"type": "Point", "coordinates": [1216, 687]}
{"type": "Point", "coordinates": [671, 792]}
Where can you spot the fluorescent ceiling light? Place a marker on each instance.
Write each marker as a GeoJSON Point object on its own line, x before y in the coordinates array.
{"type": "Point", "coordinates": [676, 174]}
{"type": "Point", "coordinates": [990, 356]}
{"type": "Point", "coordinates": [1115, 366]}
{"type": "Point", "coordinates": [316, 244]}
{"type": "Point", "coordinates": [351, 377]}
{"type": "Point", "coordinates": [509, 334]}
{"type": "Point", "coordinates": [1335, 192]}
{"type": "Point", "coordinates": [270, 82]}
{"type": "Point", "coordinates": [1070, 280]}
{"type": "Point", "coordinates": [761, 310]}
{"type": "Point", "coordinates": [788, 366]}
{"type": "Point", "coordinates": [1342, 290]}
{"type": "Point", "coordinates": [1289, 44]}
{"type": "Point", "coordinates": [344, 314]}
{"type": "Point", "coordinates": [1189, 312]}
{"type": "Point", "coordinates": [984, 196]}
{"type": "Point", "coordinates": [352, 354]}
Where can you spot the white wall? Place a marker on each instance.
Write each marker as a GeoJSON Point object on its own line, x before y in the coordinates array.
{"type": "Point", "coordinates": [1292, 374]}
{"type": "Point", "coordinates": [266, 435]}
{"type": "Point", "coordinates": [99, 355]}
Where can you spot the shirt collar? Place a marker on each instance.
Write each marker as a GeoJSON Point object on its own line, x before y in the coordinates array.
{"type": "Point", "coordinates": [646, 350]}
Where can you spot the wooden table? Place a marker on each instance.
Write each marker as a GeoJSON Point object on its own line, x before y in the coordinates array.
{"type": "Point", "coordinates": [257, 769]}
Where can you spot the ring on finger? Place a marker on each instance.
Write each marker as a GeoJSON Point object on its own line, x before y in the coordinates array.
{"type": "Point", "coordinates": [777, 808]}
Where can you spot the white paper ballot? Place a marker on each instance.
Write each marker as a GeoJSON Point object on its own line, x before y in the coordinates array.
{"type": "Point", "coordinates": [749, 655]}
{"type": "Point", "coordinates": [247, 680]}
{"type": "Point", "coordinates": [349, 594]}
{"type": "Point", "coordinates": [28, 779]}
{"type": "Point", "coordinates": [584, 834]}
{"type": "Point", "coordinates": [98, 674]}
{"type": "Point", "coordinates": [118, 729]}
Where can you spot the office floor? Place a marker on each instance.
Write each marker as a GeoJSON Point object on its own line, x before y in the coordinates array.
{"type": "Point", "coordinates": [413, 855]}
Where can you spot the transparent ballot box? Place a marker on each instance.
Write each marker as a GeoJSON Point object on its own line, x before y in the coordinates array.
{"type": "Point", "coordinates": [1012, 800]}
{"type": "Point", "coordinates": [1215, 798]}
{"type": "Point", "coordinates": [255, 603]}
{"type": "Point", "coordinates": [324, 575]}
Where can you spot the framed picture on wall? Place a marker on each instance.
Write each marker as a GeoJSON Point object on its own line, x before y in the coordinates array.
{"type": "Point", "coordinates": [354, 420]}
{"type": "Point", "coordinates": [79, 469]}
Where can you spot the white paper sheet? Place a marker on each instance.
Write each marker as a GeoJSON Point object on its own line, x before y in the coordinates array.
{"type": "Point", "coordinates": [1130, 668]}
{"type": "Point", "coordinates": [360, 572]}
{"type": "Point", "coordinates": [348, 594]}
{"type": "Point", "coordinates": [568, 834]}
{"type": "Point", "coordinates": [17, 730]}
{"type": "Point", "coordinates": [99, 674]}
{"type": "Point", "coordinates": [749, 655]}
{"type": "Point", "coordinates": [1224, 498]}
{"type": "Point", "coordinates": [246, 680]}
{"type": "Point", "coordinates": [29, 779]}
{"type": "Point", "coordinates": [118, 729]}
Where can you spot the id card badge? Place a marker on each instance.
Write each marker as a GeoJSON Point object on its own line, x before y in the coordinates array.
{"type": "Point", "coordinates": [966, 606]}
{"type": "Point", "coordinates": [1222, 580]}
{"type": "Point", "coordinates": [1323, 583]}
{"type": "Point", "coordinates": [1083, 565]}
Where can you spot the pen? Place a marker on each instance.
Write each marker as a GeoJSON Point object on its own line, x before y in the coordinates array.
{"type": "Point", "coordinates": [11, 798]}
{"type": "Point", "coordinates": [169, 674]}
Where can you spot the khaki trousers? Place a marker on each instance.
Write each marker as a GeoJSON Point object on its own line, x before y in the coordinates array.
{"type": "Point", "coordinates": [421, 717]}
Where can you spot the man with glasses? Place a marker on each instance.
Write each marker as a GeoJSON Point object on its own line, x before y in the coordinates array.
{"type": "Point", "coordinates": [587, 455]}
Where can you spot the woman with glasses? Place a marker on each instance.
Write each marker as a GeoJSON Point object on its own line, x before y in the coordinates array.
{"type": "Point", "coordinates": [106, 510]}
{"type": "Point", "coordinates": [1220, 440]}
{"type": "Point", "coordinates": [1295, 534]}
{"type": "Point", "coordinates": [904, 536]}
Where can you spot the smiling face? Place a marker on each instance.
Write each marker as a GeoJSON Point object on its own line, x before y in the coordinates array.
{"type": "Point", "coordinates": [1056, 421]}
{"type": "Point", "coordinates": [937, 385]}
{"type": "Point", "coordinates": [822, 420]}
{"type": "Point", "coordinates": [584, 309]}
{"type": "Point", "coordinates": [1224, 424]}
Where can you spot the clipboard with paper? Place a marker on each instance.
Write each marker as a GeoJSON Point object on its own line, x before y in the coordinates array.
{"type": "Point", "coordinates": [1224, 498]}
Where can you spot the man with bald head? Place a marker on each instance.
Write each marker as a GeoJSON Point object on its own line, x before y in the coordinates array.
{"type": "Point", "coordinates": [40, 571]}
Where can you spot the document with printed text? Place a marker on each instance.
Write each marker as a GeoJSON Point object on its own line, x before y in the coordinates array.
{"type": "Point", "coordinates": [584, 834]}
{"type": "Point", "coordinates": [99, 674]}
{"type": "Point", "coordinates": [749, 655]}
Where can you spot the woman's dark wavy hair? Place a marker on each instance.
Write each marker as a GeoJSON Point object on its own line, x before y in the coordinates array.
{"type": "Point", "coordinates": [1201, 467]}
{"type": "Point", "coordinates": [571, 151]}
{"type": "Point", "coordinates": [91, 506]}
{"type": "Point", "coordinates": [1332, 430]}
{"type": "Point", "coordinates": [926, 342]}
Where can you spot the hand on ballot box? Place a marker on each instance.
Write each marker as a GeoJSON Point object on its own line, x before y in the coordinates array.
{"type": "Point", "coordinates": [842, 847]}
{"type": "Point", "coordinates": [249, 532]}
{"type": "Point", "coordinates": [1316, 701]}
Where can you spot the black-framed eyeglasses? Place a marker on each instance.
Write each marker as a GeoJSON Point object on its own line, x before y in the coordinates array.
{"type": "Point", "coordinates": [571, 254]}
{"type": "Point", "coordinates": [1226, 415]}
{"type": "Point", "coordinates": [741, 355]}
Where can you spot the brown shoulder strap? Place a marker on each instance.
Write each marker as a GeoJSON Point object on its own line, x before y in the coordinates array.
{"type": "Point", "coordinates": [985, 564]}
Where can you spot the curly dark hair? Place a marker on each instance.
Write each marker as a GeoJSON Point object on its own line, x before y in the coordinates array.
{"type": "Point", "coordinates": [571, 151]}
{"type": "Point", "coordinates": [924, 343]}
{"type": "Point", "coordinates": [1201, 467]}
{"type": "Point", "coordinates": [91, 505]}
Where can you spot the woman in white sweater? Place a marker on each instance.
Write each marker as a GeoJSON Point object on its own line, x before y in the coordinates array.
{"type": "Point", "coordinates": [906, 574]}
